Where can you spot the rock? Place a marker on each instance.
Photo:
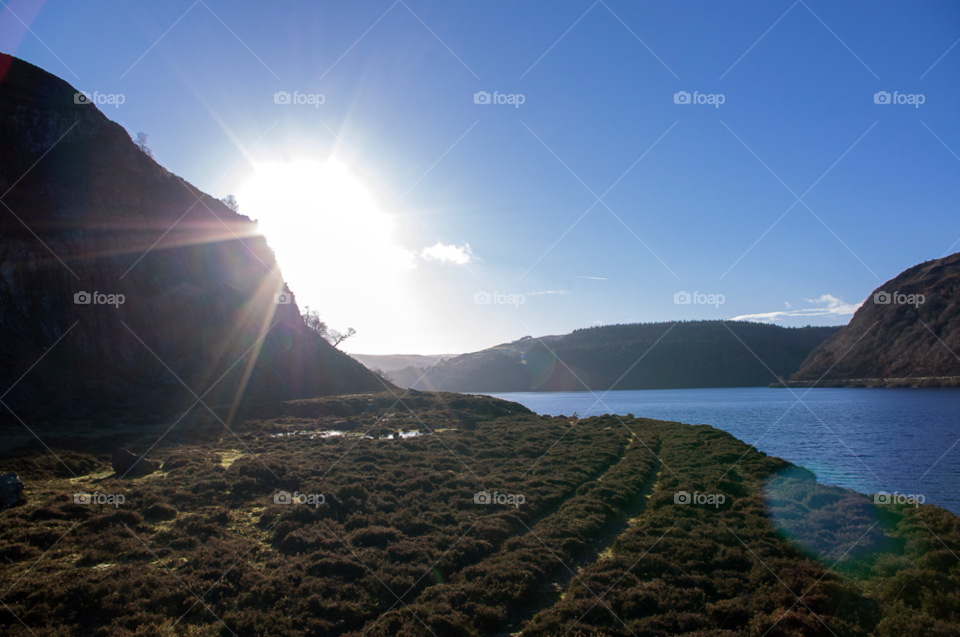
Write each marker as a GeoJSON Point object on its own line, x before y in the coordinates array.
{"type": "Point", "coordinates": [126, 463]}
{"type": "Point", "coordinates": [10, 490]}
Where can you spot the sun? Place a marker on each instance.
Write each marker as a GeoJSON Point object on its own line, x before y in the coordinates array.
{"type": "Point", "coordinates": [321, 213]}
{"type": "Point", "coordinates": [335, 242]}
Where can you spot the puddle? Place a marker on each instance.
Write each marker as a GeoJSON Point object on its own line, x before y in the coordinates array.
{"type": "Point", "coordinates": [403, 435]}
{"type": "Point", "coordinates": [313, 435]}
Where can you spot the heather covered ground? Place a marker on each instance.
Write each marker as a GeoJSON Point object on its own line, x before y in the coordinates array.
{"type": "Point", "coordinates": [601, 543]}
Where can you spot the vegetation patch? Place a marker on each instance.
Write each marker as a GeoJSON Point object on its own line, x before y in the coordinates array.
{"type": "Point", "coordinates": [366, 534]}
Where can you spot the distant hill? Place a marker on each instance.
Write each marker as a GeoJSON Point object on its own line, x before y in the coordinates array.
{"type": "Point", "coordinates": [636, 356]}
{"type": "Point", "coordinates": [86, 210]}
{"type": "Point", "coordinates": [897, 343]}
{"type": "Point", "coordinates": [393, 362]}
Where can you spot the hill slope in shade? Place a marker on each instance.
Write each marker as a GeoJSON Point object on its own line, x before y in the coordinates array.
{"type": "Point", "coordinates": [639, 356]}
{"type": "Point", "coordinates": [85, 210]}
{"type": "Point", "coordinates": [896, 343]}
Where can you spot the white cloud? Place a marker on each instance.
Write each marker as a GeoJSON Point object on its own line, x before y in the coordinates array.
{"type": "Point", "coordinates": [449, 254]}
{"type": "Point", "coordinates": [825, 305]}
{"type": "Point", "coordinates": [547, 292]}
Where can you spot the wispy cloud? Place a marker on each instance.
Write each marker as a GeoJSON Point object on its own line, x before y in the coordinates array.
{"type": "Point", "coordinates": [825, 305]}
{"type": "Point", "coordinates": [595, 278]}
{"type": "Point", "coordinates": [459, 255]}
{"type": "Point", "coordinates": [547, 292]}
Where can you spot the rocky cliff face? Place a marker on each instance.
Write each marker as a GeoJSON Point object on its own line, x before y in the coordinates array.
{"type": "Point", "coordinates": [84, 210]}
{"type": "Point", "coordinates": [907, 333]}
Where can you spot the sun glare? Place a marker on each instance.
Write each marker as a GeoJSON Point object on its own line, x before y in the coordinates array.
{"type": "Point", "coordinates": [335, 244]}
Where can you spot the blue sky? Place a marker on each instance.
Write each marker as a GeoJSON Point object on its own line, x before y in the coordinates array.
{"type": "Point", "coordinates": [695, 197]}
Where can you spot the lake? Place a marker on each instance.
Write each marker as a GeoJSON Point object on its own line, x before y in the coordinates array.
{"type": "Point", "coordinates": [869, 440]}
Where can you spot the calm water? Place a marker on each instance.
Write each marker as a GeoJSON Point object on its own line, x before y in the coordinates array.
{"type": "Point", "coordinates": [864, 439]}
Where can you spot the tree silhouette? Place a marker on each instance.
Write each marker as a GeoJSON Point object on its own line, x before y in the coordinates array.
{"type": "Point", "coordinates": [231, 202]}
{"type": "Point", "coordinates": [141, 143]}
{"type": "Point", "coordinates": [311, 319]}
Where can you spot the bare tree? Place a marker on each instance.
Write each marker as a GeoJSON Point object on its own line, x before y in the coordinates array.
{"type": "Point", "coordinates": [382, 375]}
{"type": "Point", "coordinates": [231, 202]}
{"type": "Point", "coordinates": [141, 143]}
{"type": "Point", "coordinates": [335, 337]}
{"type": "Point", "coordinates": [312, 320]}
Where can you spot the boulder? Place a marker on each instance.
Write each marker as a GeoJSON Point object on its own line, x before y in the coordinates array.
{"type": "Point", "coordinates": [10, 490]}
{"type": "Point", "coordinates": [132, 465]}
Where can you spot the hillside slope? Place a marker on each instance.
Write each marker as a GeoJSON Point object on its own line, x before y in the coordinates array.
{"type": "Point", "coordinates": [85, 210]}
{"type": "Point", "coordinates": [897, 343]}
{"type": "Point", "coordinates": [638, 356]}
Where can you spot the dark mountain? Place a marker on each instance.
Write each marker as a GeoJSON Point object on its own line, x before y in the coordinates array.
{"type": "Point", "coordinates": [85, 210]}
{"type": "Point", "coordinates": [637, 356]}
{"type": "Point", "coordinates": [912, 339]}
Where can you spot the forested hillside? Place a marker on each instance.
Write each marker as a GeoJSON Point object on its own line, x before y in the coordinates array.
{"type": "Point", "coordinates": [636, 356]}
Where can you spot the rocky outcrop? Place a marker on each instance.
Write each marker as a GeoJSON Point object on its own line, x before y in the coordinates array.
{"type": "Point", "coordinates": [131, 465]}
{"type": "Point", "coordinates": [10, 490]}
{"type": "Point", "coordinates": [907, 333]}
{"type": "Point", "coordinates": [135, 291]}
